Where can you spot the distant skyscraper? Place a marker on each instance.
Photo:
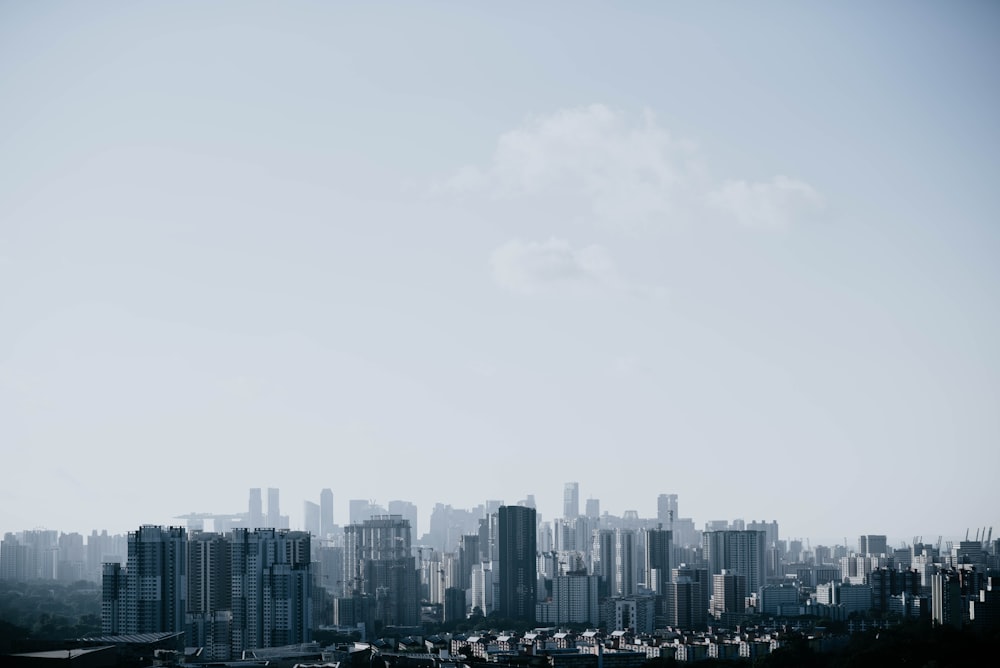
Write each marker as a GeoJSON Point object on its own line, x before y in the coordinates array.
{"type": "Point", "coordinates": [666, 509]}
{"type": "Point", "coordinates": [325, 513]}
{"type": "Point", "coordinates": [625, 562]}
{"type": "Point", "coordinates": [256, 513]}
{"type": "Point", "coordinates": [872, 544]}
{"type": "Point", "coordinates": [739, 552]}
{"type": "Point", "coordinates": [311, 515]}
{"type": "Point", "coordinates": [657, 562]}
{"type": "Point", "coordinates": [518, 563]}
{"type": "Point", "coordinates": [408, 512]}
{"type": "Point", "coordinates": [603, 560]}
{"type": "Point", "coordinates": [593, 509]}
{"type": "Point", "coordinates": [571, 501]}
{"type": "Point", "coordinates": [273, 509]}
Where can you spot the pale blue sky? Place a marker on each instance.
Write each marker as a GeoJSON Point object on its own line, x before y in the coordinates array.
{"type": "Point", "coordinates": [742, 252]}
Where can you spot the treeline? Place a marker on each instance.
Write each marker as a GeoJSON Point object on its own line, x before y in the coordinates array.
{"type": "Point", "coordinates": [43, 611]}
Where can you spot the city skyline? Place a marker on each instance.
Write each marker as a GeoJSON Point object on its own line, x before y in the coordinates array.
{"type": "Point", "coordinates": [745, 254]}
{"type": "Point", "coordinates": [214, 520]}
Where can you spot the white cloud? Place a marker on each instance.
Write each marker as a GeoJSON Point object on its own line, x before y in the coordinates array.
{"type": "Point", "coordinates": [536, 266]}
{"type": "Point", "coordinates": [774, 204]}
{"type": "Point", "coordinates": [627, 171]}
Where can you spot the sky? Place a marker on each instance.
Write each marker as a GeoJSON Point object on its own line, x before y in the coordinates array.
{"type": "Point", "coordinates": [746, 253]}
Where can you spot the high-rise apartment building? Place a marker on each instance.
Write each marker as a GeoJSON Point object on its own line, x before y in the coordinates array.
{"type": "Point", "coordinates": [603, 561]}
{"type": "Point", "coordinates": [729, 592]}
{"type": "Point", "coordinates": [574, 599]}
{"type": "Point", "coordinates": [150, 594]}
{"type": "Point", "coordinates": [736, 552]}
{"type": "Point", "coordinates": [571, 501]}
{"type": "Point", "coordinates": [378, 564]}
{"type": "Point", "coordinates": [657, 563]}
{"type": "Point", "coordinates": [518, 564]}
{"type": "Point", "coordinates": [271, 592]}
{"type": "Point", "coordinates": [625, 562]}
{"type": "Point", "coordinates": [229, 593]}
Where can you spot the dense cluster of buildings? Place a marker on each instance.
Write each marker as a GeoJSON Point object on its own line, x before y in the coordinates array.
{"type": "Point", "coordinates": [252, 583]}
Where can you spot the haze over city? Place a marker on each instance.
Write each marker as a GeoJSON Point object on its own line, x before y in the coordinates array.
{"type": "Point", "coordinates": [456, 252]}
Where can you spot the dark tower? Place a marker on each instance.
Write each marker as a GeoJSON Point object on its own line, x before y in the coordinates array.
{"type": "Point", "coordinates": [518, 562]}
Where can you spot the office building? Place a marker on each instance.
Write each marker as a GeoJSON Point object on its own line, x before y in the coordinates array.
{"type": "Point", "coordinates": [325, 513]}
{"type": "Point", "coordinates": [571, 501]}
{"type": "Point", "coordinates": [310, 518]}
{"type": "Point", "coordinates": [873, 545]}
{"type": "Point", "coordinates": [517, 563]}
{"type": "Point", "coordinates": [273, 519]}
{"type": "Point", "coordinates": [255, 515]}
{"type": "Point", "coordinates": [666, 509]}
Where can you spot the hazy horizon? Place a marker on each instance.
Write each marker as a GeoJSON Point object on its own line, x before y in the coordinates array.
{"type": "Point", "coordinates": [744, 253]}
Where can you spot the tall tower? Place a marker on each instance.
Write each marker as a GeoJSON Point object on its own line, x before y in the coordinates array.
{"type": "Point", "coordinates": [666, 509]}
{"type": "Point", "coordinates": [150, 594]}
{"type": "Point", "coordinates": [273, 511]}
{"type": "Point", "coordinates": [625, 562]}
{"type": "Point", "coordinates": [658, 544]}
{"type": "Point", "coordinates": [271, 593]}
{"type": "Point", "coordinates": [310, 515]}
{"type": "Point", "coordinates": [603, 560]}
{"type": "Point", "coordinates": [571, 501]}
{"type": "Point", "coordinates": [518, 563]}
{"type": "Point", "coordinates": [378, 563]}
{"type": "Point", "coordinates": [325, 513]}
{"type": "Point", "coordinates": [739, 552]}
{"type": "Point", "coordinates": [256, 512]}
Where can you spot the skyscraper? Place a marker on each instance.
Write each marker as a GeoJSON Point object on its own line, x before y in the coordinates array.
{"type": "Point", "coordinates": [518, 564]}
{"type": "Point", "coordinates": [150, 594]}
{"type": "Point", "coordinates": [255, 516]}
{"type": "Point", "coordinates": [625, 562]}
{"type": "Point", "coordinates": [658, 545]}
{"type": "Point", "coordinates": [666, 509]}
{"type": "Point", "coordinates": [571, 501]}
{"type": "Point", "coordinates": [311, 515]}
{"type": "Point", "coordinates": [271, 593]}
{"type": "Point", "coordinates": [378, 563]}
{"type": "Point", "coordinates": [325, 513]}
{"type": "Point", "coordinates": [273, 509]}
{"type": "Point", "coordinates": [739, 552]}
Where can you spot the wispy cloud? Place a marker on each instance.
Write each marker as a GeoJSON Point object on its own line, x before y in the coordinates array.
{"type": "Point", "coordinates": [555, 266]}
{"type": "Point", "coordinates": [628, 170]}
{"type": "Point", "coordinates": [776, 203]}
